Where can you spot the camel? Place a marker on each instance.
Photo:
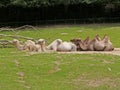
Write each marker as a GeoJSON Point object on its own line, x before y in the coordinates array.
{"type": "Point", "coordinates": [91, 45]}
{"type": "Point", "coordinates": [29, 45]}
{"type": "Point", "coordinates": [67, 47]}
{"type": "Point", "coordinates": [37, 47]}
{"type": "Point", "coordinates": [77, 41]}
{"type": "Point", "coordinates": [59, 45]}
{"type": "Point", "coordinates": [97, 44]}
{"type": "Point", "coordinates": [17, 44]}
{"type": "Point", "coordinates": [103, 44]}
{"type": "Point", "coordinates": [108, 44]}
{"type": "Point", "coordinates": [53, 46]}
{"type": "Point", "coordinates": [42, 46]}
{"type": "Point", "coordinates": [82, 45]}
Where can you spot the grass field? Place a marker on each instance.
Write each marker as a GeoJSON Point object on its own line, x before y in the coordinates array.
{"type": "Point", "coordinates": [53, 71]}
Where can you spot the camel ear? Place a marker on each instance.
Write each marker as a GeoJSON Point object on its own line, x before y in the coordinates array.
{"type": "Point", "coordinates": [59, 42]}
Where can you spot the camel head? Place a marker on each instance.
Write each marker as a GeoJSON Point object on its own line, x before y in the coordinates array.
{"type": "Point", "coordinates": [81, 44]}
{"type": "Point", "coordinates": [76, 41]}
{"type": "Point", "coordinates": [59, 41]}
{"type": "Point", "coordinates": [41, 41]}
{"type": "Point", "coordinates": [15, 41]}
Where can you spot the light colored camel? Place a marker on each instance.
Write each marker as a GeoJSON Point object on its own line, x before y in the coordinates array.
{"type": "Point", "coordinates": [99, 44]}
{"type": "Point", "coordinates": [59, 45]}
{"type": "Point", "coordinates": [17, 44]}
{"type": "Point", "coordinates": [103, 44]}
{"type": "Point", "coordinates": [108, 44]}
{"type": "Point", "coordinates": [29, 45]}
{"type": "Point", "coordinates": [42, 46]}
{"type": "Point", "coordinates": [67, 47]}
{"type": "Point", "coordinates": [37, 47]}
{"type": "Point", "coordinates": [53, 46]}
{"type": "Point", "coordinates": [91, 45]}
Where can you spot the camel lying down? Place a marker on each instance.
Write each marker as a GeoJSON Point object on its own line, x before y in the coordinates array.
{"type": "Point", "coordinates": [17, 44]}
{"type": "Point", "coordinates": [30, 45]}
{"type": "Point", "coordinates": [59, 45]}
{"type": "Point", "coordinates": [97, 44]}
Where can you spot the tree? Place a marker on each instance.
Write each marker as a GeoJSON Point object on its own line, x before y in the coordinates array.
{"type": "Point", "coordinates": [37, 3]}
{"type": "Point", "coordinates": [4, 3]}
{"type": "Point", "coordinates": [18, 3]}
{"type": "Point", "coordinates": [44, 3]}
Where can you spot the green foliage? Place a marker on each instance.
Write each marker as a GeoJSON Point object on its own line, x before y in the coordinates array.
{"type": "Point", "coordinates": [4, 3]}
{"type": "Point", "coordinates": [19, 3]}
{"type": "Point", "coordinates": [40, 3]}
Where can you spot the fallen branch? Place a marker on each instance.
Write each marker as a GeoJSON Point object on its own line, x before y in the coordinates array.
{"type": "Point", "coordinates": [6, 29]}
{"type": "Point", "coordinates": [18, 28]}
{"type": "Point", "coordinates": [16, 36]}
{"type": "Point", "coordinates": [25, 27]}
{"type": "Point", "coordinates": [5, 42]}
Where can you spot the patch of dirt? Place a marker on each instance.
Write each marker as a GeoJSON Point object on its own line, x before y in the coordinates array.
{"type": "Point", "coordinates": [107, 62]}
{"type": "Point", "coordinates": [97, 82]}
{"type": "Point", "coordinates": [105, 81]}
{"type": "Point", "coordinates": [116, 51]}
{"type": "Point", "coordinates": [111, 82]}
{"type": "Point", "coordinates": [64, 33]}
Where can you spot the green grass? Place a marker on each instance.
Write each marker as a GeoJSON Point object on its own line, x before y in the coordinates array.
{"type": "Point", "coordinates": [52, 71]}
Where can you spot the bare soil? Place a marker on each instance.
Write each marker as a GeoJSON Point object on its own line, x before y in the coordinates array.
{"type": "Point", "coordinates": [116, 51]}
